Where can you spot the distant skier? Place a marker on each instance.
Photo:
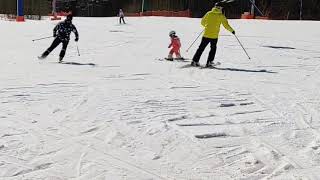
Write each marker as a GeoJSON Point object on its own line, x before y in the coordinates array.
{"type": "Point", "coordinates": [121, 15]}
{"type": "Point", "coordinates": [175, 46]}
{"type": "Point", "coordinates": [211, 22]}
{"type": "Point", "coordinates": [62, 33]}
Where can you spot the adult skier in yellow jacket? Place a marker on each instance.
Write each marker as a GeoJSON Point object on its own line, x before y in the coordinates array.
{"type": "Point", "coordinates": [211, 22]}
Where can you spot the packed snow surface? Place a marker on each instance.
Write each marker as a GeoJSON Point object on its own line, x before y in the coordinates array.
{"type": "Point", "coordinates": [118, 112]}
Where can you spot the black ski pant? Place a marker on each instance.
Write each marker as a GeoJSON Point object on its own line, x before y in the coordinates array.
{"type": "Point", "coordinates": [204, 42]}
{"type": "Point", "coordinates": [54, 44]}
{"type": "Point", "coordinates": [122, 18]}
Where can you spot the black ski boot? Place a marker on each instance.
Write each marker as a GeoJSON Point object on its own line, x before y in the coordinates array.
{"type": "Point", "coordinates": [196, 64]}
{"type": "Point", "coordinates": [211, 64]}
{"type": "Point", "coordinates": [42, 57]}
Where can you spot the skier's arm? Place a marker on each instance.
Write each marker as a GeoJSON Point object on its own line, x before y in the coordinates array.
{"type": "Point", "coordinates": [75, 31]}
{"type": "Point", "coordinates": [204, 20]}
{"type": "Point", "coordinates": [55, 29]}
{"type": "Point", "coordinates": [226, 24]}
{"type": "Point", "coordinates": [170, 45]}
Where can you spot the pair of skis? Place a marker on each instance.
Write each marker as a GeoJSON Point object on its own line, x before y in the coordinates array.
{"type": "Point", "coordinates": [174, 59]}
{"type": "Point", "coordinates": [42, 58]}
{"type": "Point", "coordinates": [212, 66]}
{"type": "Point", "coordinates": [227, 1]}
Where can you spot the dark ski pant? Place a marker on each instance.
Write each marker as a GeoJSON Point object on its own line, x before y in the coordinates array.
{"type": "Point", "coordinates": [54, 44]}
{"type": "Point", "coordinates": [204, 42]}
{"type": "Point", "coordinates": [122, 18]}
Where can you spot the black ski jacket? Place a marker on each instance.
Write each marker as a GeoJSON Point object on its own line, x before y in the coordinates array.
{"type": "Point", "coordinates": [63, 31]}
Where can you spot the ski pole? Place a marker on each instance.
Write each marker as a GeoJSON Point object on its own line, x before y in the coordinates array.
{"type": "Point", "coordinates": [242, 46]}
{"type": "Point", "coordinates": [256, 7]}
{"type": "Point", "coordinates": [42, 38]}
{"type": "Point", "coordinates": [195, 40]}
{"type": "Point", "coordinates": [78, 50]}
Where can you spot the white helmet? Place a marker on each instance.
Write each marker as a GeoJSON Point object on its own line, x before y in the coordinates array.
{"type": "Point", "coordinates": [172, 33]}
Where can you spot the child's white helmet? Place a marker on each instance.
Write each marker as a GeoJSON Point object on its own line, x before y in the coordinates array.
{"type": "Point", "coordinates": [172, 33]}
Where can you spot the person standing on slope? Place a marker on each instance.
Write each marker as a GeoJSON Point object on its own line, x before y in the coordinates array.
{"type": "Point", "coordinates": [62, 33]}
{"type": "Point", "coordinates": [121, 15]}
{"type": "Point", "coordinates": [211, 22]}
{"type": "Point", "coordinates": [175, 46]}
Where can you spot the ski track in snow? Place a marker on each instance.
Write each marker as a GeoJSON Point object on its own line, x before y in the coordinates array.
{"type": "Point", "coordinates": [133, 117]}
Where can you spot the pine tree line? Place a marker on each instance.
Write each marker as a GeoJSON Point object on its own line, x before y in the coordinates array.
{"type": "Point", "coordinates": [32, 8]}
{"type": "Point", "coordinates": [275, 9]}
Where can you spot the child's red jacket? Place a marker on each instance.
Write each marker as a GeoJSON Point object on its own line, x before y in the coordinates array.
{"type": "Point", "coordinates": [175, 43]}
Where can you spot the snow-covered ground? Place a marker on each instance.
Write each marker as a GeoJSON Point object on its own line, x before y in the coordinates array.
{"type": "Point", "coordinates": [132, 116]}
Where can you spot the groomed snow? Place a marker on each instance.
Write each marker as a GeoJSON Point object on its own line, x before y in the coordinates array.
{"type": "Point", "coordinates": [132, 116]}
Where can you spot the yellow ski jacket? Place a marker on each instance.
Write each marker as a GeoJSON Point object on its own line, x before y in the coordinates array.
{"type": "Point", "coordinates": [212, 21]}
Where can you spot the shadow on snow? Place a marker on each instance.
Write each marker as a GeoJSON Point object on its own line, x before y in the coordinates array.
{"type": "Point", "coordinates": [231, 69]}
{"type": "Point", "coordinates": [279, 47]}
{"type": "Point", "coordinates": [79, 64]}
{"type": "Point", "coordinates": [244, 70]}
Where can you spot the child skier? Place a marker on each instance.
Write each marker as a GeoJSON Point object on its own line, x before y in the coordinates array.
{"type": "Point", "coordinates": [175, 44]}
{"type": "Point", "coordinates": [121, 15]}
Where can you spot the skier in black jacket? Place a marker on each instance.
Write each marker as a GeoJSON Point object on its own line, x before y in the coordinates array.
{"type": "Point", "coordinates": [62, 33]}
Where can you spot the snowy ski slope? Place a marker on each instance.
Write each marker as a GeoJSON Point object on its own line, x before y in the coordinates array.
{"type": "Point", "coordinates": [131, 117]}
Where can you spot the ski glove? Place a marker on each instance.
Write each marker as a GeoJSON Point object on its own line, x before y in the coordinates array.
{"type": "Point", "coordinates": [233, 32]}
{"type": "Point", "coordinates": [77, 39]}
